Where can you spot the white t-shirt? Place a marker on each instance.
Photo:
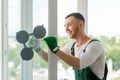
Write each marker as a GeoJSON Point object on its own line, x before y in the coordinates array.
{"type": "Point", "coordinates": [93, 57]}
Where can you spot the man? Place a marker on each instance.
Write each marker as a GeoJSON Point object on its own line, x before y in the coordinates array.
{"type": "Point", "coordinates": [88, 64]}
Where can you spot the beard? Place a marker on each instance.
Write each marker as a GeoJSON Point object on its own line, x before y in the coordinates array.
{"type": "Point", "coordinates": [73, 33]}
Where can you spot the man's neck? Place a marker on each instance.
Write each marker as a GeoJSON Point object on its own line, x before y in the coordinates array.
{"type": "Point", "coordinates": [82, 40]}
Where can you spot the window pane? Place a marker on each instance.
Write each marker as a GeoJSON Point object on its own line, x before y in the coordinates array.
{"type": "Point", "coordinates": [103, 17]}
{"type": "Point", "coordinates": [103, 23]}
{"type": "Point", "coordinates": [40, 17]}
{"type": "Point", "coordinates": [14, 64]}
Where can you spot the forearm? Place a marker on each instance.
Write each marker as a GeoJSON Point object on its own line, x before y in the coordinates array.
{"type": "Point", "coordinates": [43, 55]}
{"type": "Point", "coordinates": [70, 60]}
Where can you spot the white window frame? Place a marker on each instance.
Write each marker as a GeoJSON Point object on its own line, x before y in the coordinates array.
{"type": "Point", "coordinates": [1, 39]}
{"type": "Point", "coordinates": [83, 8]}
{"type": "Point", "coordinates": [52, 30]}
{"type": "Point", "coordinates": [4, 38]}
{"type": "Point", "coordinates": [26, 24]}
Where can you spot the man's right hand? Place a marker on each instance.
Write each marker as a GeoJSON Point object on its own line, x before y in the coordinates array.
{"type": "Point", "coordinates": [34, 43]}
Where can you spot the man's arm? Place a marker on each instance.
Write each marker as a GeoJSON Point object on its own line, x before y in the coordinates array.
{"type": "Point", "coordinates": [71, 60]}
{"type": "Point", "coordinates": [43, 55]}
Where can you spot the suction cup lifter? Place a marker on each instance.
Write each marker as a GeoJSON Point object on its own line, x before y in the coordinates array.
{"type": "Point", "coordinates": [23, 36]}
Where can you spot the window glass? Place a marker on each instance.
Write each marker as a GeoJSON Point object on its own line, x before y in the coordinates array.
{"type": "Point", "coordinates": [40, 17]}
{"type": "Point", "coordinates": [103, 23]}
{"type": "Point", "coordinates": [14, 60]}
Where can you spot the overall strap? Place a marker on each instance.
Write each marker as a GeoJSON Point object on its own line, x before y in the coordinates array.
{"type": "Point", "coordinates": [89, 43]}
{"type": "Point", "coordinates": [72, 48]}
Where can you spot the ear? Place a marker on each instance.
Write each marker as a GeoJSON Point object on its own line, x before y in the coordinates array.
{"type": "Point", "coordinates": [81, 23]}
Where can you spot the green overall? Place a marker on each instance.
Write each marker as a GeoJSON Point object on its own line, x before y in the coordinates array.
{"type": "Point", "coordinates": [86, 73]}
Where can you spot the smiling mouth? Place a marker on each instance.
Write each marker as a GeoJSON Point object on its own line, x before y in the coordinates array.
{"type": "Point", "coordinates": [69, 32]}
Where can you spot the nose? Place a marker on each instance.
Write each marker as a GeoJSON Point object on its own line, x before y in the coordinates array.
{"type": "Point", "coordinates": [66, 28]}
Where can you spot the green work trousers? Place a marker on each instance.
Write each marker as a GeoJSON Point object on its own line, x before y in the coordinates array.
{"type": "Point", "coordinates": [85, 74]}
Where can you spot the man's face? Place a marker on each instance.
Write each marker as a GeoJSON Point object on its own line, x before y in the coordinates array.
{"type": "Point", "coordinates": [72, 27]}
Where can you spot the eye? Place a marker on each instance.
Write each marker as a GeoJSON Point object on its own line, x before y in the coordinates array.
{"type": "Point", "coordinates": [68, 25]}
{"type": "Point", "coordinates": [65, 25]}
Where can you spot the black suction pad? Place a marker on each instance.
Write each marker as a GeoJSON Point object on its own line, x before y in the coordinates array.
{"type": "Point", "coordinates": [22, 36]}
{"type": "Point", "coordinates": [39, 31]}
{"type": "Point", "coordinates": [27, 53]}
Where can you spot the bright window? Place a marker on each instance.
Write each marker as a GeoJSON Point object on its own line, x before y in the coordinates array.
{"type": "Point", "coordinates": [14, 59]}
{"type": "Point", "coordinates": [40, 17]}
{"type": "Point", "coordinates": [103, 23]}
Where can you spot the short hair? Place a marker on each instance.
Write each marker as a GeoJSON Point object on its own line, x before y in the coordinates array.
{"type": "Point", "coordinates": [78, 16]}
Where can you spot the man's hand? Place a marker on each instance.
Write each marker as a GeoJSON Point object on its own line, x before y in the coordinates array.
{"type": "Point", "coordinates": [52, 43]}
{"type": "Point", "coordinates": [34, 43]}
